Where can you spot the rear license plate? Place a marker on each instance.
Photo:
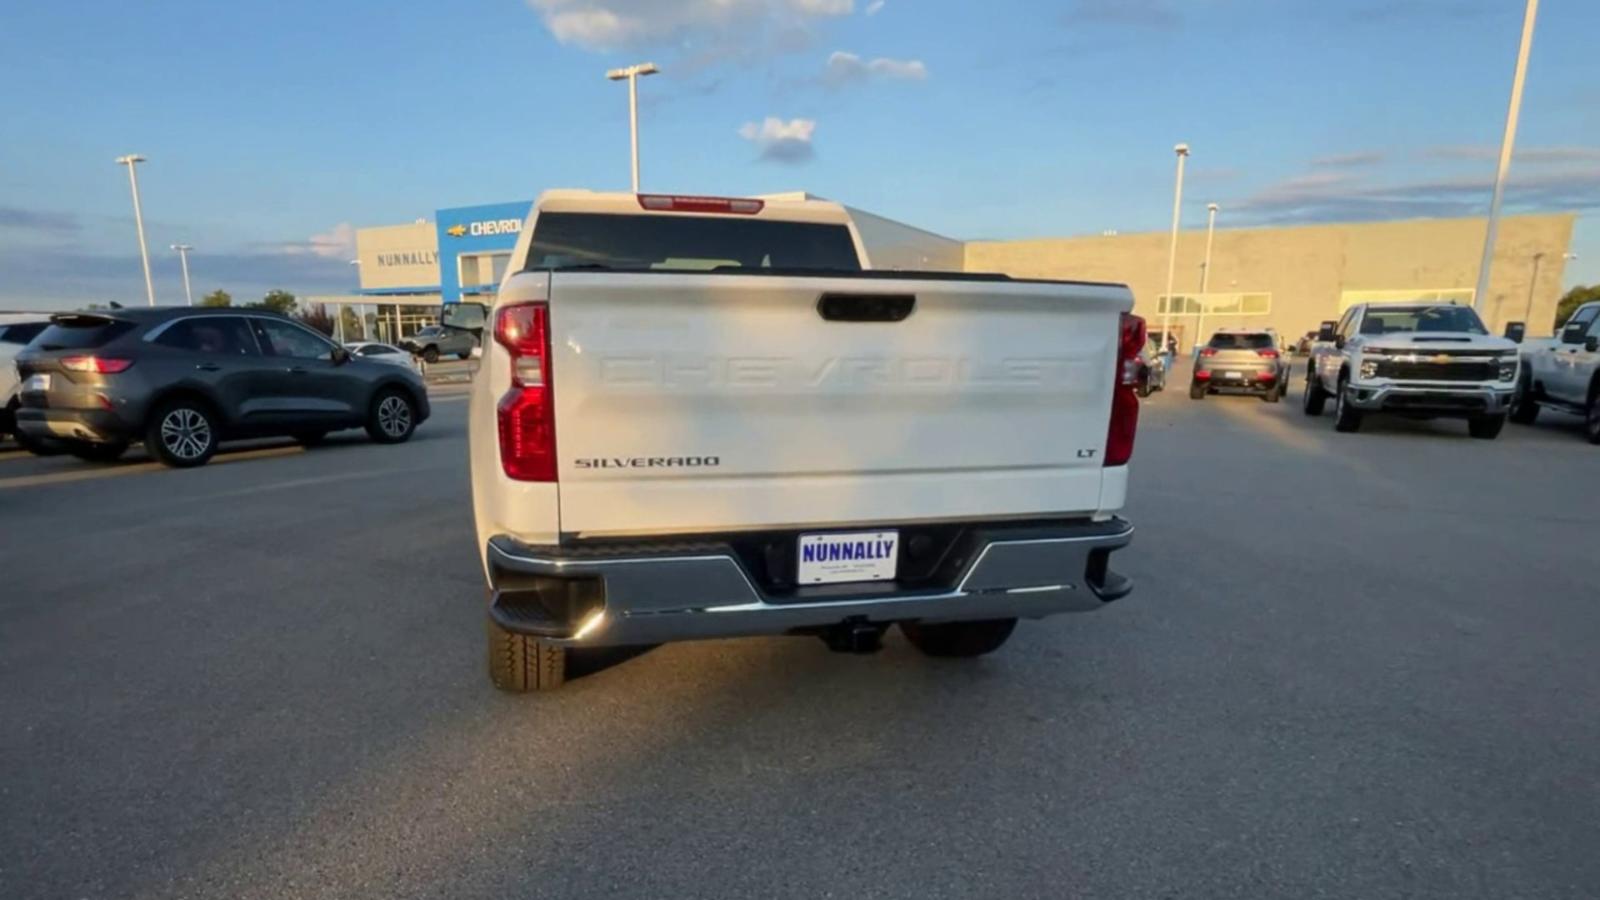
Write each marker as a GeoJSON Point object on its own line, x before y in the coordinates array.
{"type": "Point", "coordinates": [1233, 376]}
{"type": "Point", "coordinates": [37, 383]}
{"type": "Point", "coordinates": [853, 556]}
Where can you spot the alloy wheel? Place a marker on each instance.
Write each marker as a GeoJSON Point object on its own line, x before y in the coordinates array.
{"type": "Point", "coordinates": [186, 434]}
{"type": "Point", "coordinates": [394, 416]}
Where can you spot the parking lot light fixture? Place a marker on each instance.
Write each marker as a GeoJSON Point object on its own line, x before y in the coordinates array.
{"type": "Point", "coordinates": [1507, 142]}
{"type": "Point", "coordinates": [632, 75]}
{"type": "Point", "coordinates": [1182, 150]}
{"type": "Point", "coordinates": [132, 160]}
{"type": "Point", "coordinates": [183, 259]}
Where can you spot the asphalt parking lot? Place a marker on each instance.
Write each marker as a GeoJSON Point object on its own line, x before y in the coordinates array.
{"type": "Point", "coordinates": [1354, 666]}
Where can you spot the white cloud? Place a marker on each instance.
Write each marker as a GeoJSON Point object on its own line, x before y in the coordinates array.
{"type": "Point", "coordinates": [780, 141]}
{"type": "Point", "coordinates": [338, 242]}
{"type": "Point", "coordinates": [1348, 160]}
{"type": "Point", "coordinates": [1537, 155]}
{"type": "Point", "coordinates": [606, 25]}
{"type": "Point", "coordinates": [875, 7]}
{"type": "Point", "coordinates": [847, 68]}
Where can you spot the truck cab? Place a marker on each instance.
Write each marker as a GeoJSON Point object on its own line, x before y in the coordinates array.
{"type": "Point", "coordinates": [1563, 373]}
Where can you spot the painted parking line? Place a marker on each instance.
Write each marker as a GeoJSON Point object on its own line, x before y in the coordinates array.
{"type": "Point", "coordinates": [15, 454]}
{"type": "Point", "coordinates": [110, 471]}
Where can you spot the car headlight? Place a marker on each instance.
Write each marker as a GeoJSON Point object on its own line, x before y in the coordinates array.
{"type": "Point", "coordinates": [1369, 368]}
{"type": "Point", "coordinates": [1508, 367]}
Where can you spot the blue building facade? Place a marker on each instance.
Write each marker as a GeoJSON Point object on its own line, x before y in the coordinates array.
{"type": "Point", "coordinates": [475, 244]}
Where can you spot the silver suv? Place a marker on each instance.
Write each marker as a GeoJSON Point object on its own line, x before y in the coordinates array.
{"type": "Point", "coordinates": [1241, 361]}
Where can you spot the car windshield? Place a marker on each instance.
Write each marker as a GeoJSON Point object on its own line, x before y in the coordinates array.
{"type": "Point", "coordinates": [1393, 319]}
{"type": "Point", "coordinates": [1237, 341]}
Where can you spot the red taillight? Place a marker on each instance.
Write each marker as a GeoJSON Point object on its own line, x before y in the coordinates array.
{"type": "Point", "coordinates": [1267, 354]}
{"type": "Point", "coordinates": [100, 365]}
{"type": "Point", "coordinates": [1267, 376]}
{"type": "Point", "coordinates": [527, 412]}
{"type": "Point", "coordinates": [743, 206]}
{"type": "Point", "coordinates": [1209, 351]}
{"type": "Point", "coordinates": [1202, 375]}
{"type": "Point", "coordinates": [1124, 402]}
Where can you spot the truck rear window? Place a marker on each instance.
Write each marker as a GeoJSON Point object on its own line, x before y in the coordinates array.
{"type": "Point", "coordinates": [80, 333]}
{"type": "Point", "coordinates": [687, 243]}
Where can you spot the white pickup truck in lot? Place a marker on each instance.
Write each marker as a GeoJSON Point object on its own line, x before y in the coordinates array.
{"type": "Point", "coordinates": [1563, 372]}
{"type": "Point", "coordinates": [1422, 360]}
{"type": "Point", "coordinates": [707, 417]}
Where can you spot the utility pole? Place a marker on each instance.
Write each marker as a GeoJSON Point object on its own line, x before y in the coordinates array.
{"type": "Point", "coordinates": [183, 259]}
{"type": "Point", "coordinates": [1205, 275]}
{"type": "Point", "coordinates": [1172, 253]}
{"type": "Point", "coordinates": [632, 75]}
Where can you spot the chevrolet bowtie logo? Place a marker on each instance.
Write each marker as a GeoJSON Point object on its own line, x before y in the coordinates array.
{"type": "Point", "coordinates": [1441, 358]}
{"type": "Point", "coordinates": [456, 230]}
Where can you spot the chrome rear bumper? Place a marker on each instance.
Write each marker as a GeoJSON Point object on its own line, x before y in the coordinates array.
{"type": "Point", "coordinates": [660, 592]}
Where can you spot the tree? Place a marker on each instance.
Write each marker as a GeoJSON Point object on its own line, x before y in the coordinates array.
{"type": "Point", "coordinates": [279, 301]}
{"type": "Point", "coordinates": [352, 324]}
{"type": "Point", "coordinates": [317, 317]}
{"type": "Point", "coordinates": [218, 297]}
{"type": "Point", "coordinates": [1573, 299]}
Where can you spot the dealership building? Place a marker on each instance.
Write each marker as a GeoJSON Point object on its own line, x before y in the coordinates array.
{"type": "Point", "coordinates": [1286, 278]}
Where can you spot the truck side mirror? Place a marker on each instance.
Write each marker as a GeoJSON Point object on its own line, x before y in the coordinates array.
{"type": "Point", "coordinates": [1516, 331]}
{"type": "Point", "coordinates": [1325, 332]}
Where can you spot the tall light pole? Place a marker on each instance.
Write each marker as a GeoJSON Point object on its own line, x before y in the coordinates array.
{"type": "Point", "coordinates": [1530, 12]}
{"type": "Point", "coordinates": [632, 74]}
{"type": "Point", "coordinates": [1172, 253]}
{"type": "Point", "coordinates": [131, 160]}
{"type": "Point", "coordinates": [183, 259]}
{"type": "Point", "coordinates": [1205, 274]}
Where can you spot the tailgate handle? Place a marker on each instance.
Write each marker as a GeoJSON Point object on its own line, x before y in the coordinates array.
{"type": "Point", "coordinates": [865, 307]}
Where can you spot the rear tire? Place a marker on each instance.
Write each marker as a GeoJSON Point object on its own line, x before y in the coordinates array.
{"type": "Point", "coordinates": [1143, 388]}
{"type": "Point", "coordinates": [1591, 421]}
{"type": "Point", "coordinates": [99, 453]}
{"type": "Point", "coordinates": [520, 663]}
{"type": "Point", "coordinates": [182, 433]}
{"type": "Point", "coordinates": [464, 356]}
{"type": "Point", "coordinates": [1486, 428]}
{"type": "Point", "coordinates": [392, 418]}
{"type": "Point", "coordinates": [1346, 418]}
{"type": "Point", "coordinates": [1273, 395]}
{"type": "Point", "coordinates": [1316, 399]}
{"type": "Point", "coordinates": [959, 639]}
{"type": "Point", "coordinates": [1196, 392]}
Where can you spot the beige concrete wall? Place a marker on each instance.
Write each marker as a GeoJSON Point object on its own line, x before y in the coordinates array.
{"type": "Point", "coordinates": [398, 256]}
{"type": "Point", "coordinates": [895, 245]}
{"type": "Point", "coordinates": [1306, 268]}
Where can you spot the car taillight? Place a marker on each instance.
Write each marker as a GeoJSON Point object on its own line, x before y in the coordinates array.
{"type": "Point", "coordinates": [1124, 402]}
{"type": "Point", "coordinates": [100, 365]}
{"type": "Point", "coordinates": [1267, 354]}
{"type": "Point", "coordinates": [527, 412]}
{"type": "Point", "coordinates": [1209, 351]}
{"type": "Point", "coordinates": [1268, 375]}
{"type": "Point", "coordinates": [744, 206]}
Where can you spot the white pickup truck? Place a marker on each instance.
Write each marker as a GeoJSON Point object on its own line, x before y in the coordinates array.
{"type": "Point", "coordinates": [706, 417]}
{"type": "Point", "coordinates": [1563, 372]}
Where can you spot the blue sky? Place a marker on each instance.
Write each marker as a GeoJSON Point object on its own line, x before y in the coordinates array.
{"type": "Point", "coordinates": [273, 129]}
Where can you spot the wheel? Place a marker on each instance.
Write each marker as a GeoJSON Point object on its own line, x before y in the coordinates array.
{"type": "Point", "coordinates": [393, 417]}
{"type": "Point", "coordinates": [1283, 386]}
{"type": "Point", "coordinates": [1346, 418]}
{"type": "Point", "coordinates": [521, 663]}
{"type": "Point", "coordinates": [960, 639]}
{"type": "Point", "coordinates": [464, 355]}
{"type": "Point", "coordinates": [430, 355]}
{"type": "Point", "coordinates": [1315, 397]}
{"type": "Point", "coordinates": [1486, 428]}
{"type": "Point", "coordinates": [1143, 388]}
{"type": "Point", "coordinates": [182, 433]}
{"type": "Point", "coordinates": [101, 453]}
{"type": "Point", "coordinates": [310, 438]}
{"type": "Point", "coordinates": [1196, 392]}
{"type": "Point", "coordinates": [1524, 409]}
{"type": "Point", "coordinates": [1591, 421]}
{"type": "Point", "coordinates": [1273, 394]}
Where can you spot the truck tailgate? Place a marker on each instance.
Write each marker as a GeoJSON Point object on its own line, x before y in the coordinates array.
{"type": "Point", "coordinates": [709, 402]}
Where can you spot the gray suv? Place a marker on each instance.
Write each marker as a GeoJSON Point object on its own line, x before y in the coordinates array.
{"type": "Point", "coordinates": [182, 379]}
{"type": "Point", "coordinates": [435, 341]}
